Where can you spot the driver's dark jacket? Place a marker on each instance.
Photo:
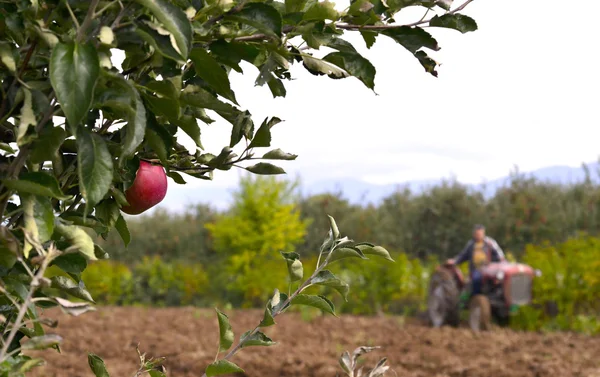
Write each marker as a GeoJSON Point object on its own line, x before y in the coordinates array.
{"type": "Point", "coordinates": [491, 247]}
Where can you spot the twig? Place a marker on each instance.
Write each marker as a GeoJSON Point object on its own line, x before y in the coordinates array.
{"type": "Point", "coordinates": [88, 20]}
{"type": "Point", "coordinates": [218, 18]}
{"type": "Point", "coordinates": [25, 306]}
{"type": "Point", "coordinates": [283, 306]}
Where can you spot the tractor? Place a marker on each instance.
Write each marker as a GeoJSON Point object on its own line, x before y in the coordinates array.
{"type": "Point", "coordinates": [506, 286]}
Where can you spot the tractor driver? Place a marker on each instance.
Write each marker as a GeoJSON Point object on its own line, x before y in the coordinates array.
{"type": "Point", "coordinates": [479, 251]}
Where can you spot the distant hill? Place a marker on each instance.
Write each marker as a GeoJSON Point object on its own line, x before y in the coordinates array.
{"type": "Point", "coordinates": [357, 191]}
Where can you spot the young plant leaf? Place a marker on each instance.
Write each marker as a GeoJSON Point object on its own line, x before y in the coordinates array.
{"type": "Point", "coordinates": [256, 339]}
{"type": "Point", "coordinates": [295, 270]}
{"type": "Point", "coordinates": [74, 71]}
{"type": "Point", "coordinates": [345, 252]}
{"type": "Point", "coordinates": [97, 365]}
{"type": "Point", "coordinates": [67, 285]}
{"type": "Point", "coordinates": [74, 308]}
{"type": "Point", "coordinates": [226, 335]}
{"type": "Point", "coordinates": [278, 154]}
{"type": "Point", "coordinates": [221, 367]}
{"type": "Point", "coordinates": [375, 250]}
{"type": "Point", "coordinates": [334, 228]}
{"type": "Point", "coordinates": [267, 317]}
{"type": "Point", "coordinates": [316, 301]}
{"type": "Point", "coordinates": [264, 168]}
{"type": "Point", "coordinates": [42, 342]}
{"type": "Point", "coordinates": [327, 279]}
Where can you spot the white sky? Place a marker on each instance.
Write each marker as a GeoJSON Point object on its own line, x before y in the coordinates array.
{"type": "Point", "coordinates": [519, 91]}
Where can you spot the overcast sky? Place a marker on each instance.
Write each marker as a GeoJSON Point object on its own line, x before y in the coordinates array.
{"type": "Point", "coordinates": [522, 90]}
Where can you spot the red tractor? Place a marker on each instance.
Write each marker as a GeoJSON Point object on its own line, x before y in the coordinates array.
{"type": "Point", "coordinates": [505, 287]}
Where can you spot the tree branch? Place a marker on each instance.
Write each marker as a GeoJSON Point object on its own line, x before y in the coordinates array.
{"type": "Point", "coordinates": [344, 26]}
{"type": "Point", "coordinates": [88, 20]}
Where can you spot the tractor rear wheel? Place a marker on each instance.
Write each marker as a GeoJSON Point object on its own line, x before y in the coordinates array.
{"type": "Point", "coordinates": [442, 301]}
{"type": "Point", "coordinates": [480, 313]}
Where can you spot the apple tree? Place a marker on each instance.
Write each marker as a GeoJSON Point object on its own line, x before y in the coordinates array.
{"type": "Point", "coordinates": [76, 129]}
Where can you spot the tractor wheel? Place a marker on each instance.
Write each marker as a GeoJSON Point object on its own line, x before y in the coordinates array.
{"type": "Point", "coordinates": [442, 301]}
{"type": "Point", "coordinates": [480, 313]}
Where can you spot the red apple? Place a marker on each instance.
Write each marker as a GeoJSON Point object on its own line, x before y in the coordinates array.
{"type": "Point", "coordinates": [149, 188]}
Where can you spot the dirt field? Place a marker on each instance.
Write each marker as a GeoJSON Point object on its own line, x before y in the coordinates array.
{"type": "Point", "coordinates": [187, 338]}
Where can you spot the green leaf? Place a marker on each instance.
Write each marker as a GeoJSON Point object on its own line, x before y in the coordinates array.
{"type": "Point", "coordinates": [278, 154]}
{"type": "Point", "coordinates": [345, 252]}
{"type": "Point", "coordinates": [221, 367]}
{"type": "Point", "coordinates": [67, 285]}
{"type": "Point", "coordinates": [121, 227]}
{"type": "Point", "coordinates": [369, 37]}
{"type": "Point", "coordinates": [262, 138]}
{"type": "Point", "coordinates": [293, 6]}
{"type": "Point", "coordinates": [268, 319]}
{"type": "Point", "coordinates": [256, 339]}
{"type": "Point", "coordinates": [136, 122]}
{"type": "Point", "coordinates": [27, 119]}
{"type": "Point", "coordinates": [319, 302]}
{"type": "Point", "coordinates": [159, 139]}
{"type": "Point", "coordinates": [74, 308]}
{"type": "Point", "coordinates": [100, 253]}
{"type": "Point", "coordinates": [328, 279]}
{"type": "Point", "coordinates": [319, 67]}
{"type": "Point", "coordinates": [321, 11]}
{"type": "Point", "coordinates": [335, 232]}
{"type": "Point", "coordinates": [88, 221]}
{"type": "Point", "coordinates": [36, 183]}
{"type": "Point", "coordinates": [78, 238]}
{"type": "Point", "coordinates": [7, 148]}
{"type": "Point", "coordinates": [412, 38]}
{"type": "Point", "coordinates": [7, 57]}
{"type": "Point", "coordinates": [27, 365]}
{"type": "Point", "coordinates": [38, 218]}
{"type": "Point", "coordinates": [47, 145]}
{"type": "Point", "coordinates": [94, 165]}
{"type": "Point", "coordinates": [174, 20]}
{"type": "Point", "coordinates": [354, 64]}
{"type": "Point", "coordinates": [9, 248]}
{"type": "Point", "coordinates": [277, 302]}
{"type": "Point", "coordinates": [226, 335]}
{"type": "Point", "coordinates": [42, 342]}
{"type": "Point", "coordinates": [260, 16]}
{"type": "Point", "coordinates": [209, 70]}
{"type": "Point", "coordinates": [73, 264]}
{"type": "Point", "coordinates": [108, 212]}
{"type": "Point", "coordinates": [429, 64]}
{"type": "Point", "coordinates": [264, 168]}
{"type": "Point", "coordinates": [97, 365]}
{"type": "Point", "coordinates": [276, 86]}
{"type": "Point", "coordinates": [74, 70]}
{"type": "Point", "coordinates": [189, 125]}
{"type": "Point", "coordinates": [176, 177]}
{"type": "Point", "coordinates": [455, 21]}
{"type": "Point", "coordinates": [161, 43]}
{"type": "Point", "coordinates": [375, 250]}
{"type": "Point", "coordinates": [294, 265]}
{"type": "Point", "coordinates": [198, 97]}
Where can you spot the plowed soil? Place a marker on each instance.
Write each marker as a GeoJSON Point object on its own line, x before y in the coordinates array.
{"type": "Point", "coordinates": [187, 337]}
